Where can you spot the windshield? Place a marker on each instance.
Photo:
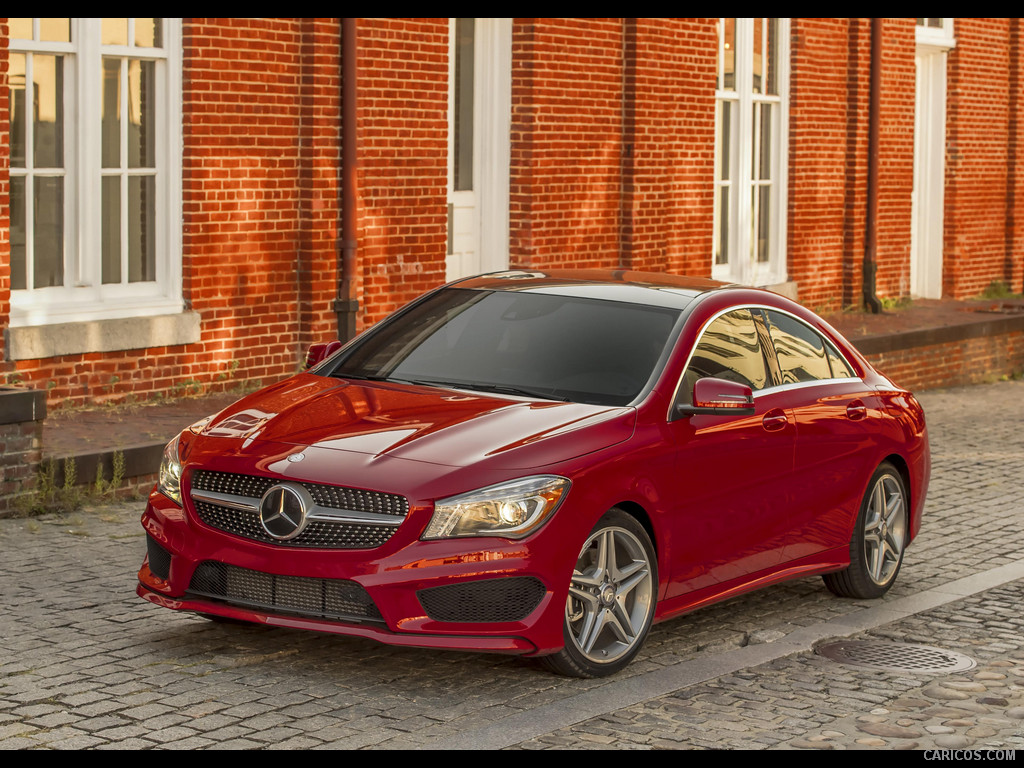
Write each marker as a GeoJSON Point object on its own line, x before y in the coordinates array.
{"type": "Point", "coordinates": [531, 344]}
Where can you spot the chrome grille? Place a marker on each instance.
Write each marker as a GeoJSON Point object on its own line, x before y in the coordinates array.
{"type": "Point", "coordinates": [242, 519]}
{"type": "Point", "coordinates": [252, 486]}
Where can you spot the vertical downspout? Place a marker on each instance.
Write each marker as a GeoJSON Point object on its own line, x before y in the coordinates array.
{"type": "Point", "coordinates": [871, 225]}
{"type": "Point", "coordinates": [346, 305]}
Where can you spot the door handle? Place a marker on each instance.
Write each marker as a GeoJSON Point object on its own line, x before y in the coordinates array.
{"type": "Point", "coordinates": [856, 410]}
{"type": "Point", "coordinates": [774, 420]}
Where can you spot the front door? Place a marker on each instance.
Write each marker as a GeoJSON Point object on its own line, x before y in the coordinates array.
{"type": "Point", "coordinates": [733, 474]}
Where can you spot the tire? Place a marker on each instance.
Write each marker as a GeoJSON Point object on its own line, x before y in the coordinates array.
{"type": "Point", "coordinates": [611, 600]}
{"type": "Point", "coordinates": [879, 539]}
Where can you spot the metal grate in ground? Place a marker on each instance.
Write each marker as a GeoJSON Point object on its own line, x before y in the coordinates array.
{"type": "Point", "coordinates": [896, 657]}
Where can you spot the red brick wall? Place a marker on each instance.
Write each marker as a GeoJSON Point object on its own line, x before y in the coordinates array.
{"type": "Point", "coordinates": [980, 85]}
{"type": "Point", "coordinates": [319, 181]}
{"type": "Point", "coordinates": [896, 157]}
{"type": "Point", "coordinates": [673, 146]}
{"type": "Point", "coordinates": [954, 364]}
{"type": "Point", "coordinates": [1014, 257]}
{"type": "Point", "coordinates": [828, 159]}
{"type": "Point", "coordinates": [567, 105]}
{"type": "Point", "coordinates": [403, 161]}
{"type": "Point", "coordinates": [19, 460]}
{"type": "Point", "coordinates": [5, 192]}
{"type": "Point", "coordinates": [613, 143]}
{"type": "Point", "coordinates": [249, 188]}
{"type": "Point", "coordinates": [261, 129]}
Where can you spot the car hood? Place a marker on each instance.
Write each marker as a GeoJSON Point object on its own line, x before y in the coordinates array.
{"type": "Point", "coordinates": [423, 424]}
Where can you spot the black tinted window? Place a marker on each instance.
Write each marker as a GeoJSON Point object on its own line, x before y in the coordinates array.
{"type": "Point", "coordinates": [567, 348]}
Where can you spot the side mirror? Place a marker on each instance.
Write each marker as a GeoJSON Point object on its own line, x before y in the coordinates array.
{"type": "Point", "coordinates": [719, 397]}
{"type": "Point", "coordinates": [319, 352]}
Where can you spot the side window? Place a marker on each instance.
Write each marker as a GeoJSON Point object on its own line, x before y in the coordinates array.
{"type": "Point", "coordinates": [840, 368]}
{"type": "Point", "coordinates": [728, 349]}
{"type": "Point", "coordinates": [799, 349]}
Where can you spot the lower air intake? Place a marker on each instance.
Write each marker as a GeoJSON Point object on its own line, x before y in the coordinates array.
{"type": "Point", "coordinates": [334, 599]}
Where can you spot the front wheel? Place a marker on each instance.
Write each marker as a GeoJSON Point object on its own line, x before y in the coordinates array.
{"type": "Point", "coordinates": [611, 599]}
{"type": "Point", "coordinates": [879, 539]}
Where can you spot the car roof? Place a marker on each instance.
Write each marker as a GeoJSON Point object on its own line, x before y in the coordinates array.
{"type": "Point", "coordinates": [651, 288]}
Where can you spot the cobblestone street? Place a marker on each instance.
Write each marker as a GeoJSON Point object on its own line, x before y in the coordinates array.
{"type": "Point", "coordinates": [84, 663]}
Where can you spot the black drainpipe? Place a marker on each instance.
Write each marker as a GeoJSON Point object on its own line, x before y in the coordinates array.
{"type": "Point", "coordinates": [871, 301]}
{"type": "Point", "coordinates": [346, 305]}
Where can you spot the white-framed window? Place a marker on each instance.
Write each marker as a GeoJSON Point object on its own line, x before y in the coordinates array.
{"type": "Point", "coordinates": [95, 133]}
{"type": "Point", "coordinates": [751, 128]}
{"type": "Point", "coordinates": [936, 32]}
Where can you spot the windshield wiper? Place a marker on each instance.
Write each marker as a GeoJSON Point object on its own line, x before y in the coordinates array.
{"type": "Point", "coordinates": [470, 385]}
{"type": "Point", "coordinates": [508, 390]}
{"type": "Point", "coordinates": [357, 376]}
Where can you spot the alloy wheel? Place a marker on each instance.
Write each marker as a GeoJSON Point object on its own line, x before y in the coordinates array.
{"type": "Point", "coordinates": [610, 595]}
{"type": "Point", "coordinates": [885, 529]}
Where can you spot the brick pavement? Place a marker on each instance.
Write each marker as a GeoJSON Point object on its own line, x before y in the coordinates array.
{"type": "Point", "coordinates": [86, 664]}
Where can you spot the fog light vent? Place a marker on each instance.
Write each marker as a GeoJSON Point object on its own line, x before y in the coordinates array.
{"type": "Point", "coordinates": [159, 559]}
{"type": "Point", "coordinates": [490, 600]}
{"type": "Point", "coordinates": [897, 657]}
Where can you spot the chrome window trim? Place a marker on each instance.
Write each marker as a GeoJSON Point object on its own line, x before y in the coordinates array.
{"type": "Point", "coordinates": [805, 384]}
{"type": "Point", "coordinates": [773, 389]}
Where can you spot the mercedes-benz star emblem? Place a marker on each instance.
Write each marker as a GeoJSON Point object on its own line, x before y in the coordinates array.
{"type": "Point", "coordinates": [283, 510]}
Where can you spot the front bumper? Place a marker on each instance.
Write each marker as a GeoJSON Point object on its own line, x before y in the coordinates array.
{"type": "Point", "coordinates": [479, 594]}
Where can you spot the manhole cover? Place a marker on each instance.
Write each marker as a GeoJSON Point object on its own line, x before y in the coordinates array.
{"type": "Point", "coordinates": [900, 657]}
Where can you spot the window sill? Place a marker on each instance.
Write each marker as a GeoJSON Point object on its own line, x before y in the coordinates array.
{"type": "Point", "coordinates": [43, 341]}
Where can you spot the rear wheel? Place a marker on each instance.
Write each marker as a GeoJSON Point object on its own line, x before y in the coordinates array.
{"type": "Point", "coordinates": [879, 539]}
{"type": "Point", "coordinates": [611, 600]}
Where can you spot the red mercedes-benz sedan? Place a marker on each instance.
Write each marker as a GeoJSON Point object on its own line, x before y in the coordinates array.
{"type": "Point", "coordinates": [544, 463]}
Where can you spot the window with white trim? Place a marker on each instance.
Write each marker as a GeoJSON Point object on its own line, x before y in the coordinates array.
{"type": "Point", "coordinates": [95, 134]}
{"type": "Point", "coordinates": [935, 32]}
{"type": "Point", "coordinates": [751, 127]}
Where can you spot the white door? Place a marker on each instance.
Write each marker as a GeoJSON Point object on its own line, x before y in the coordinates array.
{"type": "Point", "coordinates": [479, 108]}
{"type": "Point", "coordinates": [929, 177]}
{"type": "Point", "coordinates": [934, 39]}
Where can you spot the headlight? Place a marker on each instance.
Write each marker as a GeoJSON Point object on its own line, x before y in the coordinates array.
{"type": "Point", "coordinates": [169, 482]}
{"type": "Point", "coordinates": [511, 510]}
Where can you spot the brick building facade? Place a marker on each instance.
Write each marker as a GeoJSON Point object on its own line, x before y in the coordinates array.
{"type": "Point", "coordinates": [171, 205]}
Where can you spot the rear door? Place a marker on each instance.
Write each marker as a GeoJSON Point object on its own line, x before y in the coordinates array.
{"type": "Point", "coordinates": [836, 417]}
